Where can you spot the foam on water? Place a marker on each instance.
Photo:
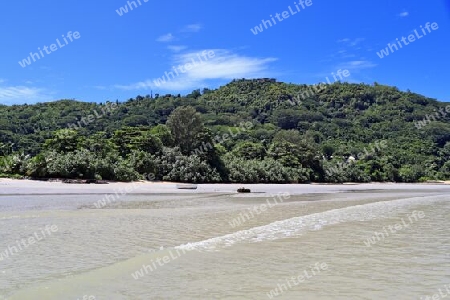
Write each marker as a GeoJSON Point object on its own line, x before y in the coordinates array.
{"type": "Point", "coordinates": [121, 271]}
{"type": "Point", "coordinates": [317, 221]}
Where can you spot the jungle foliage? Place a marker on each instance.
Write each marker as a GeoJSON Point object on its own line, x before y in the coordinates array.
{"type": "Point", "coordinates": [295, 136]}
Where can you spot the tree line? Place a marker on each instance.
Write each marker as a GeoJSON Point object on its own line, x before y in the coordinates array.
{"type": "Point", "coordinates": [248, 131]}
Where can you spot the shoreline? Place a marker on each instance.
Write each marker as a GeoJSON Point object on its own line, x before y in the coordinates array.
{"type": "Point", "coordinates": [12, 187]}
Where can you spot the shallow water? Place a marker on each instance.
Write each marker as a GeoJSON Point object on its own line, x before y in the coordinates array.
{"type": "Point", "coordinates": [191, 249]}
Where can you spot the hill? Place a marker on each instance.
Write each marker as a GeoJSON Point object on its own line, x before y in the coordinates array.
{"type": "Point", "coordinates": [256, 130]}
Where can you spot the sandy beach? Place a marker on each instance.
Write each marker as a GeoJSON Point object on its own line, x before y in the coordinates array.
{"type": "Point", "coordinates": [31, 187]}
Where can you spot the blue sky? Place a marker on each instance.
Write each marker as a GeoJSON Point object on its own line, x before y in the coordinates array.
{"type": "Point", "coordinates": [119, 57]}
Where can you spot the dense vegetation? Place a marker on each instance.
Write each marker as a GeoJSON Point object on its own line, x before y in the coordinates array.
{"type": "Point", "coordinates": [247, 131]}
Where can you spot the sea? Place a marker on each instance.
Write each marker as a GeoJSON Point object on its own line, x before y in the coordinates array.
{"type": "Point", "coordinates": [383, 244]}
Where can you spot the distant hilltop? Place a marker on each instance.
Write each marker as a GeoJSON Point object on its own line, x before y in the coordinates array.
{"type": "Point", "coordinates": [247, 131]}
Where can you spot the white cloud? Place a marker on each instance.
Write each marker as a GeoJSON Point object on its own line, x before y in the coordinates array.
{"type": "Point", "coordinates": [224, 65]}
{"type": "Point", "coordinates": [178, 84]}
{"type": "Point", "coordinates": [356, 41]}
{"type": "Point", "coordinates": [176, 48]}
{"type": "Point", "coordinates": [170, 37]}
{"type": "Point", "coordinates": [404, 14]}
{"type": "Point", "coordinates": [192, 28]}
{"type": "Point", "coordinates": [165, 38]}
{"type": "Point", "coordinates": [356, 65]}
{"type": "Point", "coordinates": [22, 94]}
{"type": "Point", "coordinates": [100, 87]}
{"type": "Point", "coordinates": [351, 42]}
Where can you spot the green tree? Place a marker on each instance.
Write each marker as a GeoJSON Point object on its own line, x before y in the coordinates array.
{"type": "Point", "coordinates": [64, 140]}
{"type": "Point", "coordinates": [249, 150]}
{"type": "Point", "coordinates": [140, 138]}
{"type": "Point", "coordinates": [162, 132]}
{"type": "Point", "coordinates": [186, 127]}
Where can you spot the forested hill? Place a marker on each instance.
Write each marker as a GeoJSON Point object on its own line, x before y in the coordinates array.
{"type": "Point", "coordinates": [275, 132]}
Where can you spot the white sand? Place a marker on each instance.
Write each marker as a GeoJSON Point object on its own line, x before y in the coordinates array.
{"type": "Point", "coordinates": [29, 187]}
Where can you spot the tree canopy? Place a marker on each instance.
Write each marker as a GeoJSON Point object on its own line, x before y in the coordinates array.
{"type": "Point", "coordinates": [328, 136]}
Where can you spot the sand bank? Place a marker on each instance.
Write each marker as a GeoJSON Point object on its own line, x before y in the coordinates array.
{"type": "Point", "coordinates": [30, 187]}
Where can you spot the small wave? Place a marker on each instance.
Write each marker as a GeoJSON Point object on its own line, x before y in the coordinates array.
{"type": "Point", "coordinates": [317, 221]}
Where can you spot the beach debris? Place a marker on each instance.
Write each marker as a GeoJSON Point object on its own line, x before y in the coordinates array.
{"type": "Point", "coordinates": [243, 190]}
